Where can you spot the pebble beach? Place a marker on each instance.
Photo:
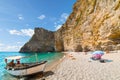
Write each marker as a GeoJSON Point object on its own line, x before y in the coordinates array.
{"type": "Point", "coordinates": [78, 66]}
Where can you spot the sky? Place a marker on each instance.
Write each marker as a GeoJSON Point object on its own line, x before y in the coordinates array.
{"type": "Point", "coordinates": [18, 18]}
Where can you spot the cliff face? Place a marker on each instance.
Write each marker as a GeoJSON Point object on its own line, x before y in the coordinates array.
{"type": "Point", "coordinates": [42, 41]}
{"type": "Point", "coordinates": [93, 24]}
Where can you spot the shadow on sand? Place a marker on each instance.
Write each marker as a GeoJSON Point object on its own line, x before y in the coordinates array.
{"type": "Point", "coordinates": [48, 73]}
{"type": "Point", "coordinates": [41, 75]}
{"type": "Point", "coordinates": [105, 60]}
{"type": "Point", "coordinates": [100, 60]}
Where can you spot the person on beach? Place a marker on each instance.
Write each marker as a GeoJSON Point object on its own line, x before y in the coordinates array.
{"type": "Point", "coordinates": [85, 52]}
{"type": "Point", "coordinates": [18, 61]}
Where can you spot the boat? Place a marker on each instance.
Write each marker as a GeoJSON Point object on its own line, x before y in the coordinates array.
{"type": "Point", "coordinates": [23, 69]}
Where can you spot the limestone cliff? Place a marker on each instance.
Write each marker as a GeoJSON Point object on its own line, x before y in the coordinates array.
{"type": "Point", "coordinates": [93, 24]}
{"type": "Point", "coordinates": [41, 41]}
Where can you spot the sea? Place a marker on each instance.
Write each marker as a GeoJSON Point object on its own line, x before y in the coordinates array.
{"type": "Point", "coordinates": [51, 57]}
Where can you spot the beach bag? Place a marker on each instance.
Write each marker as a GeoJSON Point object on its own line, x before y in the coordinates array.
{"type": "Point", "coordinates": [102, 61]}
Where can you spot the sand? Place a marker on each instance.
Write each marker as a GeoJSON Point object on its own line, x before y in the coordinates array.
{"type": "Point", "coordinates": [78, 66]}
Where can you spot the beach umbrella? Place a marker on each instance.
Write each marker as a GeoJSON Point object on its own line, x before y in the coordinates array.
{"type": "Point", "coordinates": [97, 56]}
{"type": "Point", "coordinates": [98, 52]}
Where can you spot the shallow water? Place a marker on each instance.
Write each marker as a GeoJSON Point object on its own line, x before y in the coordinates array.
{"type": "Point", "coordinates": [49, 56]}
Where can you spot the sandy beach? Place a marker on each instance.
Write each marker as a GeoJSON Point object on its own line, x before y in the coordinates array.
{"type": "Point", "coordinates": [77, 66]}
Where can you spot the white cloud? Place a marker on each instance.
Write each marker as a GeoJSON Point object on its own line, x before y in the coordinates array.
{"type": "Point", "coordinates": [20, 17]}
{"type": "Point", "coordinates": [22, 32]}
{"type": "Point", "coordinates": [41, 17]}
{"type": "Point", "coordinates": [27, 32]}
{"type": "Point", "coordinates": [6, 47]}
{"type": "Point", "coordinates": [64, 15]}
{"type": "Point", "coordinates": [60, 21]}
{"type": "Point", "coordinates": [20, 42]}
{"type": "Point", "coordinates": [10, 48]}
{"type": "Point", "coordinates": [58, 27]}
{"type": "Point", "coordinates": [15, 32]}
{"type": "Point", "coordinates": [1, 44]}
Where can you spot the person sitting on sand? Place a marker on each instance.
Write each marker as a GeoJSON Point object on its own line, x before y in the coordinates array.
{"type": "Point", "coordinates": [11, 64]}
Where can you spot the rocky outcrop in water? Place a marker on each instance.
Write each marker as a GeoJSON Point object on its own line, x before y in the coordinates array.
{"type": "Point", "coordinates": [93, 25]}
{"type": "Point", "coordinates": [41, 41]}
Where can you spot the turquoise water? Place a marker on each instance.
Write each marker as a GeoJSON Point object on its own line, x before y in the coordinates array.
{"type": "Point", "coordinates": [49, 56]}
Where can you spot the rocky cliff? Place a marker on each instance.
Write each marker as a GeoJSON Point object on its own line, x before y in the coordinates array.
{"type": "Point", "coordinates": [42, 41]}
{"type": "Point", "coordinates": [93, 25]}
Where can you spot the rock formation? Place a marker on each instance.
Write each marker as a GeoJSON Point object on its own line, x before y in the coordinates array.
{"type": "Point", "coordinates": [41, 41]}
{"type": "Point", "coordinates": [93, 25]}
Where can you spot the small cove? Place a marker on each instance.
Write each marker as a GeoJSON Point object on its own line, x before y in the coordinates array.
{"type": "Point", "coordinates": [51, 57]}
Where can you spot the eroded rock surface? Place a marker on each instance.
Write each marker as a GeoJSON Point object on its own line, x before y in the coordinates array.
{"type": "Point", "coordinates": [42, 41]}
{"type": "Point", "coordinates": [93, 25]}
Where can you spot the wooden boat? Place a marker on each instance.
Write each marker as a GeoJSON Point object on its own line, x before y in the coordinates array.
{"type": "Point", "coordinates": [23, 69]}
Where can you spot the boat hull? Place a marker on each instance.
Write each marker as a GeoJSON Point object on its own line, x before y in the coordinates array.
{"type": "Point", "coordinates": [27, 71]}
